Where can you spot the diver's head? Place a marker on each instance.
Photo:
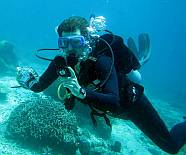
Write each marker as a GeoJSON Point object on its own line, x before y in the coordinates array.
{"type": "Point", "coordinates": [73, 23]}
{"type": "Point", "coordinates": [73, 39]}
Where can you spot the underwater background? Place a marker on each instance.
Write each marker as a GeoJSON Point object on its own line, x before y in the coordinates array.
{"type": "Point", "coordinates": [30, 25]}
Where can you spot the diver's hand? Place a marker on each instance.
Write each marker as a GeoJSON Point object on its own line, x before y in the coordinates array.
{"type": "Point", "coordinates": [26, 77]}
{"type": "Point", "coordinates": [72, 84]}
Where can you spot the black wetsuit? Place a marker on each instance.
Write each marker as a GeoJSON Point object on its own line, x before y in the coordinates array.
{"type": "Point", "coordinates": [117, 96]}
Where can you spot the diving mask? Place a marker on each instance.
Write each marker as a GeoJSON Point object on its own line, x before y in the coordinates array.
{"type": "Point", "coordinates": [76, 41]}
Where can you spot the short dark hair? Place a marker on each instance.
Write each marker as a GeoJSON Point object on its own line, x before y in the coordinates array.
{"type": "Point", "coordinates": [72, 24]}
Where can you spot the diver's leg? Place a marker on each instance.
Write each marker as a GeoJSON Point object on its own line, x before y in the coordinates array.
{"type": "Point", "coordinates": [178, 134]}
{"type": "Point", "coordinates": [145, 117]}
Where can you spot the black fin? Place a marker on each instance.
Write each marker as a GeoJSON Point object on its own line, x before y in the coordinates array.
{"type": "Point", "coordinates": [144, 48]}
{"type": "Point", "coordinates": [132, 46]}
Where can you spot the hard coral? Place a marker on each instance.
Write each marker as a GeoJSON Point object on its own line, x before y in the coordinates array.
{"type": "Point", "coordinates": [43, 121]}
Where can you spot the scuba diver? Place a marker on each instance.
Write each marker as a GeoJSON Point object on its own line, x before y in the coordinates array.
{"type": "Point", "coordinates": [94, 70]}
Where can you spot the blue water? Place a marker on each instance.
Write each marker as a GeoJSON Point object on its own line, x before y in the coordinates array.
{"type": "Point", "coordinates": [30, 25]}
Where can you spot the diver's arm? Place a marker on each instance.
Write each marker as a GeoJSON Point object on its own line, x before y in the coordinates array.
{"type": "Point", "coordinates": [49, 76]}
{"type": "Point", "coordinates": [108, 98]}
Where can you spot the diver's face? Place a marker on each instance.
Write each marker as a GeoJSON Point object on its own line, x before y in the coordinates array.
{"type": "Point", "coordinates": [70, 47]}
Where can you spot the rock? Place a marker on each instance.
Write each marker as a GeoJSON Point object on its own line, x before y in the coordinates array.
{"type": "Point", "coordinates": [8, 58]}
{"type": "Point", "coordinates": [154, 151]}
{"type": "Point", "coordinates": [84, 147]}
{"type": "Point", "coordinates": [116, 147]}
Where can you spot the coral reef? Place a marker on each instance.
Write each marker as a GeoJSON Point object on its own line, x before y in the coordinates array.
{"type": "Point", "coordinates": [44, 122]}
{"type": "Point", "coordinates": [92, 145]}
